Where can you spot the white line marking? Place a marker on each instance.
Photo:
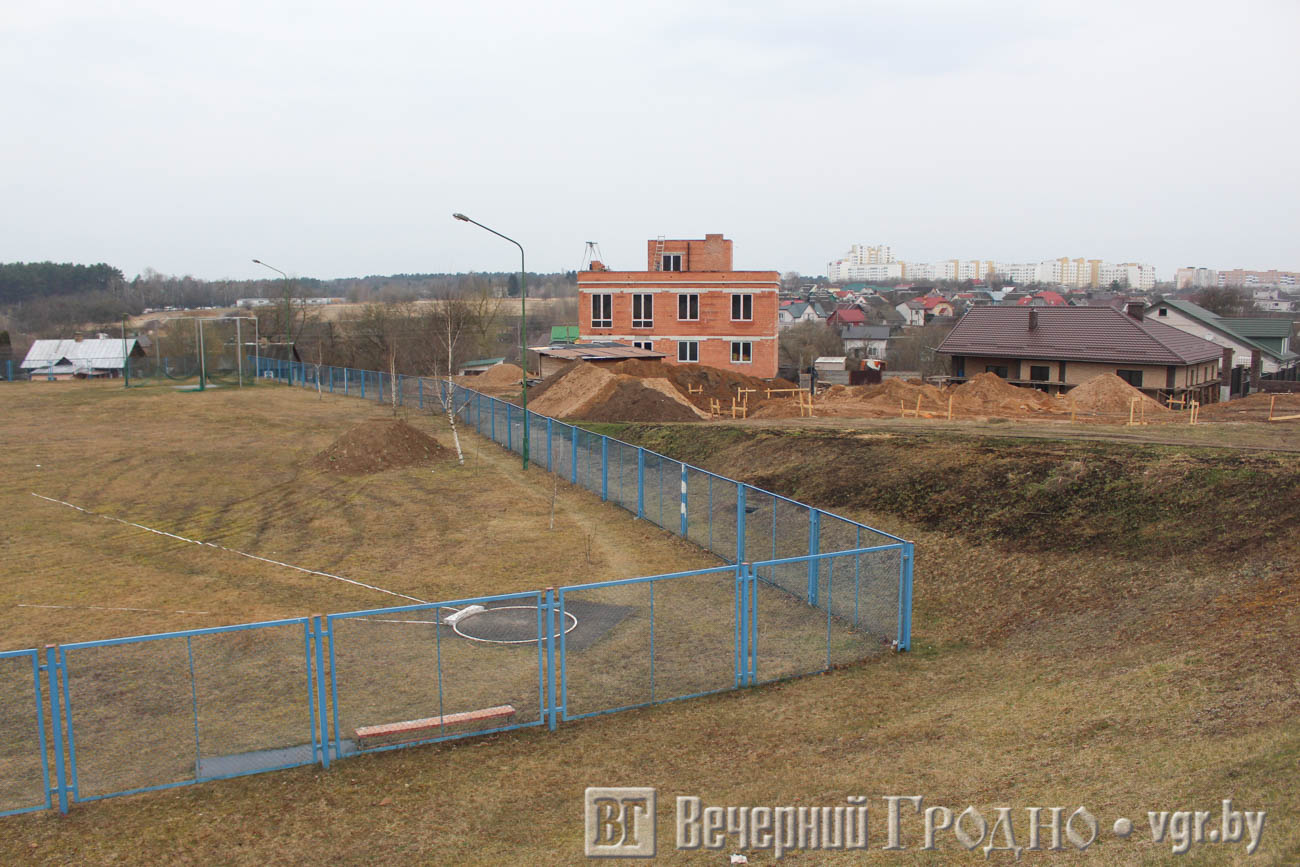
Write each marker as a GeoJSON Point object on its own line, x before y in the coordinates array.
{"type": "Point", "coordinates": [230, 550]}
{"type": "Point", "coordinates": [106, 608]}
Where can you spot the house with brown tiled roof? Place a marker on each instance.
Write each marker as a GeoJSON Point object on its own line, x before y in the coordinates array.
{"type": "Point", "coordinates": [1057, 348]}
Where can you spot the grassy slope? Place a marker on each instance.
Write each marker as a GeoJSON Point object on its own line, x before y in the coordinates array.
{"type": "Point", "coordinates": [1113, 677]}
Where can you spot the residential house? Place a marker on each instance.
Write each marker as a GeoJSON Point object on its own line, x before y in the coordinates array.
{"type": "Point", "coordinates": [1057, 348]}
{"type": "Point", "coordinates": [1252, 341]}
{"type": "Point", "coordinates": [800, 311]}
{"type": "Point", "coordinates": [846, 315]}
{"type": "Point", "coordinates": [865, 341]}
{"type": "Point", "coordinates": [1046, 298]}
{"type": "Point", "coordinates": [688, 304]}
{"type": "Point", "coordinates": [80, 358]}
{"type": "Point", "coordinates": [924, 308]}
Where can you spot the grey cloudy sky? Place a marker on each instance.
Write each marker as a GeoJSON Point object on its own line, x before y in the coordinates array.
{"type": "Point", "coordinates": [336, 139]}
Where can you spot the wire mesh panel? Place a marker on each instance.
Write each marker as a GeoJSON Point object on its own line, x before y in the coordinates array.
{"type": "Point", "coordinates": [589, 460]}
{"type": "Point", "coordinates": [421, 673]}
{"type": "Point", "coordinates": [663, 492]}
{"type": "Point", "coordinates": [648, 640]}
{"type": "Point", "coordinates": [24, 768]}
{"type": "Point", "coordinates": [167, 710]}
{"type": "Point", "coordinates": [795, 635]}
{"type": "Point", "coordinates": [562, 450]}
{"type": "Point", "coordinates": [623, 474]}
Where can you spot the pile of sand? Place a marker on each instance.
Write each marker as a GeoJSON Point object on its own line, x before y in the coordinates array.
{"type": "Point", "coordinates": [988, 392]}
{"type": "Point", "coordinates": [1108, 393]}
{"type": "Point", "coordinates": [378, 445]}
{"type": "Point", "coordinates": [699, 383]}
{"type": "Point", "coordinates": [499, 374]}
{"type": "Point", "coordinates": [597, 392]}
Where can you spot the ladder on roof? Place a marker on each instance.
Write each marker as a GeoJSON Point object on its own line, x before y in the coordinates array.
{"type": "Point", "coordinates": [659, 253]}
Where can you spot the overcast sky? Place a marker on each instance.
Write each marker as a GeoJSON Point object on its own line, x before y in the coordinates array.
{"type": "Point", "coordinates": [336, 139]}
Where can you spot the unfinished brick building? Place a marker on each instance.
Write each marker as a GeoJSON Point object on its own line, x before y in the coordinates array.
{"type": "Point", "coordinates": [687, 304]}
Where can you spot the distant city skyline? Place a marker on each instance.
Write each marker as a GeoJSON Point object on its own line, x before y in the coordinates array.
{"type": "Point", "coordinates": [191, 139]}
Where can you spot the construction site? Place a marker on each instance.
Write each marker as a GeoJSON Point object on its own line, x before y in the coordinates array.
{"type": "Point", "coordinates": [648, 391]}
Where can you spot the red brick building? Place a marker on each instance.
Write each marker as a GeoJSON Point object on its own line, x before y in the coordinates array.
{"type": "Point", "coordinates": [687, 304]}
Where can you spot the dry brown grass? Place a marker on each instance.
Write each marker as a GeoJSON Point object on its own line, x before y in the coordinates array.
{"type": "Point", "coordinates": [1037, 679]}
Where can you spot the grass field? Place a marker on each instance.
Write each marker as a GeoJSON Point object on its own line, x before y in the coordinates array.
{"type": "Point", "coordinates": [1125, 683]}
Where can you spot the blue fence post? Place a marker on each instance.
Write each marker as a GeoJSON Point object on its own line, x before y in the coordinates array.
{"type": "Point", "coordinates": [9, 369]}
{"type": "Point", "coordinates": [52, 667]}
{"type": "Point", "coordinates": [684, 489]}
{"type": "Point", "coordinates": [640, 482]}
{"type": "Point", "coordinates": [814, 548]}
{"type": "Point", "coordinates": [740, 523]}
{"type": "Point", "coordinates": [751, 621]}
{"type": "Point", "coordinates": [548, 444]}
{"type": "Point", "coordinates": [552, 611]}
{"type": "Point", "coordinates": [905, 598]}
{"type": "Point", "coordinates": [419, 383]}
{"type": "Point", "coordinates": [510, 431]}
{"type": "Point", "coordinates": [363, 384]}
{"type": "Point", "coordinates": [318, 639]}
{"type": "Point", "coordinates": [604, 468]}
{"type": "Point", "coordinates": [740, 633]}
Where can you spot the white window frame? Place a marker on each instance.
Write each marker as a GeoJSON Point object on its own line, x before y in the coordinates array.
{"type": "Point", "coordinates": [598, 306]}
{"type": "Point", "coordinates": [685, 299]}
{"type": "Point", "coordinates": [643, 310]}
{"type": "Point", "coordinates": [689, 348]}
{"type": "Point", "coordinates": [644, 344]}
{"type": "Point", "coordinates": [742, 352]}
{"type": "Point", "coordinates": [739, 301]}
{"type": "Point", "coordinates": [668, 259]}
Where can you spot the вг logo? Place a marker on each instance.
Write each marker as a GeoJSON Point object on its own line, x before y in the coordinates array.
{"type": "Point", "coordinates": [620, 822]}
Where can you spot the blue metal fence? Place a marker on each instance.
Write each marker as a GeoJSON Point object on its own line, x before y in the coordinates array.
{"type": "Point", "coordinates": [799, 591]}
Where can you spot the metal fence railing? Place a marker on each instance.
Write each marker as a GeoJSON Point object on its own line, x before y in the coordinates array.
{"type": "Point", "coordinates": [798, 590]}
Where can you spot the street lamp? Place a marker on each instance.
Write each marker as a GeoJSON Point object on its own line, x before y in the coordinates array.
{"type": "Point", "coordinates": [523, 321]}
{"type": "Point", "coordinates": [288, 317]}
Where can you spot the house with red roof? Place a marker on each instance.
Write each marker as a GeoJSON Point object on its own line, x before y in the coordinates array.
{"type": "Point", "coordinates": [847, 315]}
{"type": "Point", "coordinates": [924, 308]}
{"type": "Point", "coordinates": [1046, 298]}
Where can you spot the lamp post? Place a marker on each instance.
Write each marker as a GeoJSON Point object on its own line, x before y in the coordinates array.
{"type": "Point", "coordinates": [523, 321]}
{"type": "Point", "coordinates": [288, 317]}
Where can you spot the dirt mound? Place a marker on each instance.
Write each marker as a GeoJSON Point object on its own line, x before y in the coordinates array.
{"type": "Point", "coordinates": [1252, 408]}
{"type": "Point", "coordinates": [988, 392]}
{"type": "Point", "coordinates": [500, 374]}
{"type": "Point", "coordinates": [378, 445]}
{"type": "Point", "coordinates": [597, 392]}
{"type": "Point", "coordinates": [699, 383]}
{"type": "Point", "coordinates": [1106, 392]}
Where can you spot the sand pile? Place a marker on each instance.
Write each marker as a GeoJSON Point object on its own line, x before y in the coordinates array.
{"type": "Point", "coordinates": [378, 445]}
{"type": "Point", "coordinates": [988, 392]}
{"type": "Point", "coordinates": [1252, 408]}
{"type": "Point", "coordinates": [709, 382]}
{"type": "Point", "coordinates": [1108, 393]}
{"type": "Point", "coordinates": [597, 392]}
{"type": "Point", "coordinates": [499, 374]}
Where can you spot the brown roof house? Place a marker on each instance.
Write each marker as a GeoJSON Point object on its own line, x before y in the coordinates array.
{"type": "Point", "coordinates": [1057, 348]}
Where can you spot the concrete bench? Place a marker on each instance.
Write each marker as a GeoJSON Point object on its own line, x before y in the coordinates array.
{"type": "Point", "coordinates": [414, 729]}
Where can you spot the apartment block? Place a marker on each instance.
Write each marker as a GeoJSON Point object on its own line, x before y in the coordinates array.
{"type": "Point", "coordinates": [688, 304]}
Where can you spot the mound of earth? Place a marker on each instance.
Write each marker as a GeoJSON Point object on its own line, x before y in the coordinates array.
{"type": "Point", "coordinates": [988, 392]}
{"type": "Point", "coordinates": [699, 383]}
{"type": "Point", "coordinates": [378, 445]}
{"type": "Point", "coordinates": [597, 392]}
{"type": "Point", "coordinates": [500, 374]}
{"type": "Point", "coordinates": [1106, 392]}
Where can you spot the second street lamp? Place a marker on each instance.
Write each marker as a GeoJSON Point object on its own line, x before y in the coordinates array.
{"type": "Point", "coordinates": [523, 321]}
{"type": "Point", "coordinates": [288, 318]}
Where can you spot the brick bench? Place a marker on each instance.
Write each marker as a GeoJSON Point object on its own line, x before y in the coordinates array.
{"type": "Point", "coordinates": [411, 730]}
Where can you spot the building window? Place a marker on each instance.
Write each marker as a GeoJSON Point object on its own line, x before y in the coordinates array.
{"type": "Point", "coordinates": [1039, 373]}
{"type": "Point", "coordinates": [643, 310]}
{"type": "Point", "coordinates": [1132, 377]}
{"type": "Point", "coordinates": [644, 344]}
{"type": "Point", "coordinates": [999, 369]}
{"type": "Point", "coordinates": [670, 262]}
{"type": "Point", "coordinates": [688, 308]}
{"type": "Point", "coordinates": [742, 352]}
{"type": "Point", "coordinates": [1164, 311]}
{"type": "Point", "coordinates": [742, 308]}
{"type": "Point", "coordinates": [688, 350]}
{"type": "Point", "coordinates": [602, 311]}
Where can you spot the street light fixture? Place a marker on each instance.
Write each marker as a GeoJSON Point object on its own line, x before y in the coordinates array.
{"type": "Point", "coordinates": [288, 316]}
{"type": "Point", "coordinates": [523, 321]}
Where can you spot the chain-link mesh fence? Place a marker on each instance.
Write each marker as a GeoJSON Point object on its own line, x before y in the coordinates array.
{"type": "Point", "coordinates": [24, 765]}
